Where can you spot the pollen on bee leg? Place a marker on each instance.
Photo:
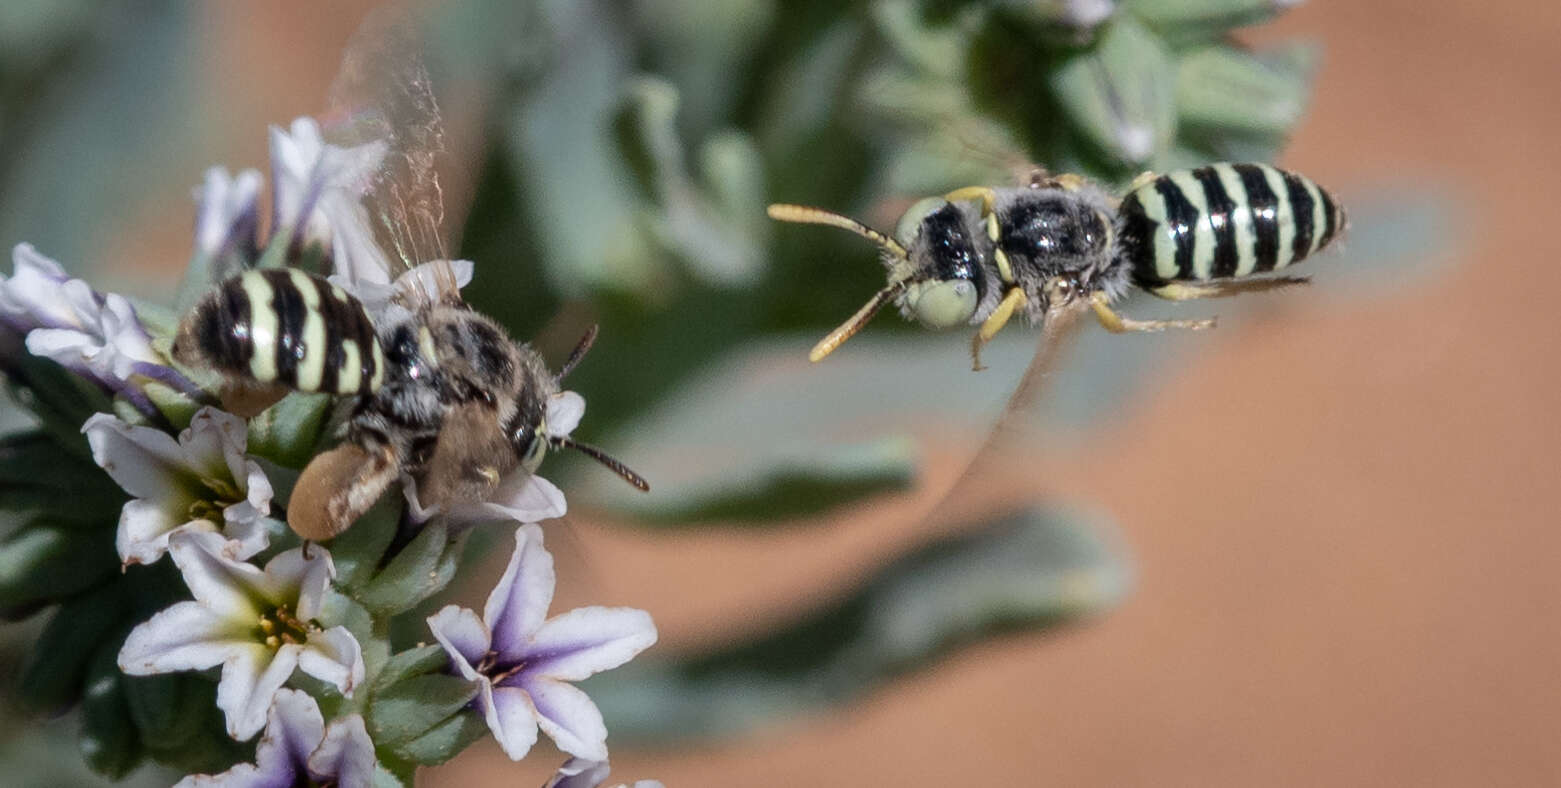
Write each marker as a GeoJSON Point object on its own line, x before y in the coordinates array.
{"type": "Point", "coordinates": [336, 488]}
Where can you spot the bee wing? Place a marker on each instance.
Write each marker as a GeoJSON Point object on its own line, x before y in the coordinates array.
{"type": "Point", "coordinates": [383, 94]}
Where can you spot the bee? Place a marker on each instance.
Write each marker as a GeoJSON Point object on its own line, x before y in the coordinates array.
{"type": "Point", "coordinates": [437, 391]}
{"type": "Point", "coordinates": [979, 255]}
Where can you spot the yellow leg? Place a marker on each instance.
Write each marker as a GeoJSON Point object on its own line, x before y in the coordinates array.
{"type": "Point", "coordinates": [1118, 324]}
{"type": "Point", "coordinates": [1181, 291]}
{"type": "Point", "coordinates": [1141, 181]}
{"type": "Point", "coordinates": [986, 194]}
{"type": "Point", "coordinates": [993, 324]}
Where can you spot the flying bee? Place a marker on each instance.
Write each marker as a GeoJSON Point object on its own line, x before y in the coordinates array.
{"type": "Point", "coordinates": [978, 255]}
{"type": "Point", "coordinates": [438, 392]}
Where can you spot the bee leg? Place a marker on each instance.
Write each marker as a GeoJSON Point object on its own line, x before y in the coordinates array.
{"type": "Point", "coordinates": [337, 487]}
{"type": "Point", "coordinates": [1118, 324]}
{"type": "Point", "coordinates": [1181, 291]}
{"type": "Point", "coordinates": [993, 324]}
{"type": "Point", "coordinates": [988, 199]}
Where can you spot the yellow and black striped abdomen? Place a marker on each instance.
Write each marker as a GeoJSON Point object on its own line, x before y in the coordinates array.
{"type": "Point", "coordinates": [1223, 221]}
{"type": "Point", "coordinates": [283, 326]}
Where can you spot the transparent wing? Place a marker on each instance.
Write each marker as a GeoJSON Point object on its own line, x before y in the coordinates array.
{"type": "Point", "coordinates": [383, 93]}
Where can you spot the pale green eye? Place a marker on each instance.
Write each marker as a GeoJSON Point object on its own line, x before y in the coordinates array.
{"type": "Point", "coordinates": [910, 223]}
{"type": "Point", "coordinates": [944, 304]}
{"type": "Point", "coordinates": [536, 450]}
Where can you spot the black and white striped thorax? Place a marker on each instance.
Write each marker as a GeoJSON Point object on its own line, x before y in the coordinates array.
{"type": "Point", "coordinates": [1222, 221]}
{"type": "Point", "coordinates": [286, 327]}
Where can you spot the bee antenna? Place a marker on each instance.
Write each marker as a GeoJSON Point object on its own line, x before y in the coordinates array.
{"type": "Point", "coordinates": [855, 323]}
{"type": "Point", "coordinates": [802, 214]}
{"type": "Point", "coordinates": [579, 352]}
{"type": "Point", "coordinates": [606, 459]}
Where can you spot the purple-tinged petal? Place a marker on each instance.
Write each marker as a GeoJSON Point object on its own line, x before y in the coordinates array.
{"type": "Point", "coordinates": [346, 755]}
{"type": "Point", "coordinates": [564, 411]}
{"type": "Point", "coordinates": [244, 775]}
{"type": "Point", "coordinates": [567, 715]}
{"type": "Point", "coordinates": [463, 637]}
{"type": "Point", "coordinates": [519, 602]}
{"type": "Point", "coordinates": [587, 641]}
{"type": "Point", "coordinates": [186, 636]}
{"type": "Point", "coordinates": [294, 727]}
{"type": "Point", "coordinates": [511, 717]}
{"type": "Point", "coordinates": [125, 341]}
{"type": "Point", "coordinates": [225, 216]}
{"type": "Point", "coordinates": [250, 679]}
{"type": "Point", "coordinates": [580, 773]}
{"type": "Point", "coordinates": [526, 498]}
{"type": "Point", "coordinates": [334, 657]}
{"type": "Point", "coordinates": [32, 296]}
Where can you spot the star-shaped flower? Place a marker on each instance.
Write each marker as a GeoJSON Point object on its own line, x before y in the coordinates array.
{"type": "Point", "coordinates": [257, 624]}
{"type": "Point", "coordinates": [203, 481]}
{"type": "Point", "coordinates": [522, 496]}
{"type": "Point", "coordinates": [317, 190]}
{"type": "Point", "coordinates": [299, 749]}
{"type": "Point", "coordinates": [524, 664]}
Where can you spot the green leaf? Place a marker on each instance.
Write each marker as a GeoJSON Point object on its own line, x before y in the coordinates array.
{"type": "Point", "coordinates": [357, 551]}
{"type": "Point", "coordinates": [109, 743]}
{"type": "Point", "coordinates": [409, 663]}
{"type": "Point", "coordinates": [420, 570]}
{"type": "Point", "coordinates": [286, 433]}
{"type": "Point", "coordinates": [1120, 95]}
{"type": "Point", "coordinates": [1189, 21]}
{"type": "Point", "coordinates": [1027, 571]}
{"type": "Point", "coordinates": [411, 708]}
{"type": "Point", "coordinates": [1224, 89]}
{"type": "Point", "coordinates": [165, 708]}
{"type": "Point", "coordinates": [45, 561]}
{"type": "Point", "coordinates": [445, 740]}
{"type": "Point", "coordinates": [52, 674]}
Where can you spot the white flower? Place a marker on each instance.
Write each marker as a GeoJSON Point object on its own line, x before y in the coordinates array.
{"type": "Point", "coordinates": [34, 295]}
{"type": "Point", "coordinates": [524, 664]}
{"type": "Point", "coordinates": [417, 285]}
{"type": "Point", "coordinates": [298, 748]}
{"type": "Point", "coordinates": [257, 624]}
{"type": "Point", "coordinates": [200, 482]}
{"type": "Point", "coordinates": [522, 496]}
{"type": "Point", "coordinates": [226, 218]}
{"type": "Point", "coordinates": [316, 196]}
{"type": "Point", "coordinates": [584, 773]}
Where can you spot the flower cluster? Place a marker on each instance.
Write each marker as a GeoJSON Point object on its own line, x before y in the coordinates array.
{"type": "Point", "coordinates": [295, 633]}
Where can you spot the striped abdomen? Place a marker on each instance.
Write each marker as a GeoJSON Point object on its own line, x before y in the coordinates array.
{"type": "Point", "coordinates": [283, 326]}
{"type": "Point", "coordinates": [1223, 221]}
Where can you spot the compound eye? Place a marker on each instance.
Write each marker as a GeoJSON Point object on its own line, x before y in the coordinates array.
{"type": "Point", "coordinates": [944, 304]}
{"type": "Point", "coordinates": [909, 225]}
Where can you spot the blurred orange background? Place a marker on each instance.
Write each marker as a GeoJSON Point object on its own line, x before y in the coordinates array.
{"type": "Point", "coordinates": [1346, 553]}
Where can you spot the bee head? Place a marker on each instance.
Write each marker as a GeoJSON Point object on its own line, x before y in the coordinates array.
{"type": "Point", "coordinates": [933, 261]}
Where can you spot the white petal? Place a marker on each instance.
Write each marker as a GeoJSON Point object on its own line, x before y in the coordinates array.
{"type": "Point", "coordinates": [527, 498]}
{"type": "Point", "coordinates": [311, 577]}
{"type": "Point", "coordinates": [423, 282]}
{"type": "Point", "coordinates": [83, 304]}
{"type": "Point", "coordinates": [145, 527]}
{"type": "Point", "coordinates": [257, 487]}
{"type": "Point", "coordinates": [212, 438]}
{"type": "Point", "coordinates": [589, 640]}
{"type": "Point", "coordinates": [246, 531]}
{"type": "Point", "coordinates": [333, 656]}
{"type": "Point", "coordinates": [464, 637]}
{"type": "Point", "coordinates": [221, 201]}
{"type": "Point", "coordinates": [511, 717]}
{"type": "Point", "coordinates": [232, 589]}
{"type": "Point", "coordinates": [125, 341]}
{"type": "Point", "coordinates": [33, 293]}
{"type": "Point", "coordinates": [68, 347]}
{"type": "Point", "coordinates": [250, 679]}
{"type": "Point", "coordinates": [567, 715]}
{"type": "Point", "coordinates": [346, 755]}
{"type": "Point", "coordinates": [519, 602]}
{"type": "Point", "coordinates": [294, 727]}
{"type": "Point", "coordinates": [146, 462]}
{"type": "Point", "coordinates": [564, 410]}
{"type": "Point", "coordinates": [186, 636]}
